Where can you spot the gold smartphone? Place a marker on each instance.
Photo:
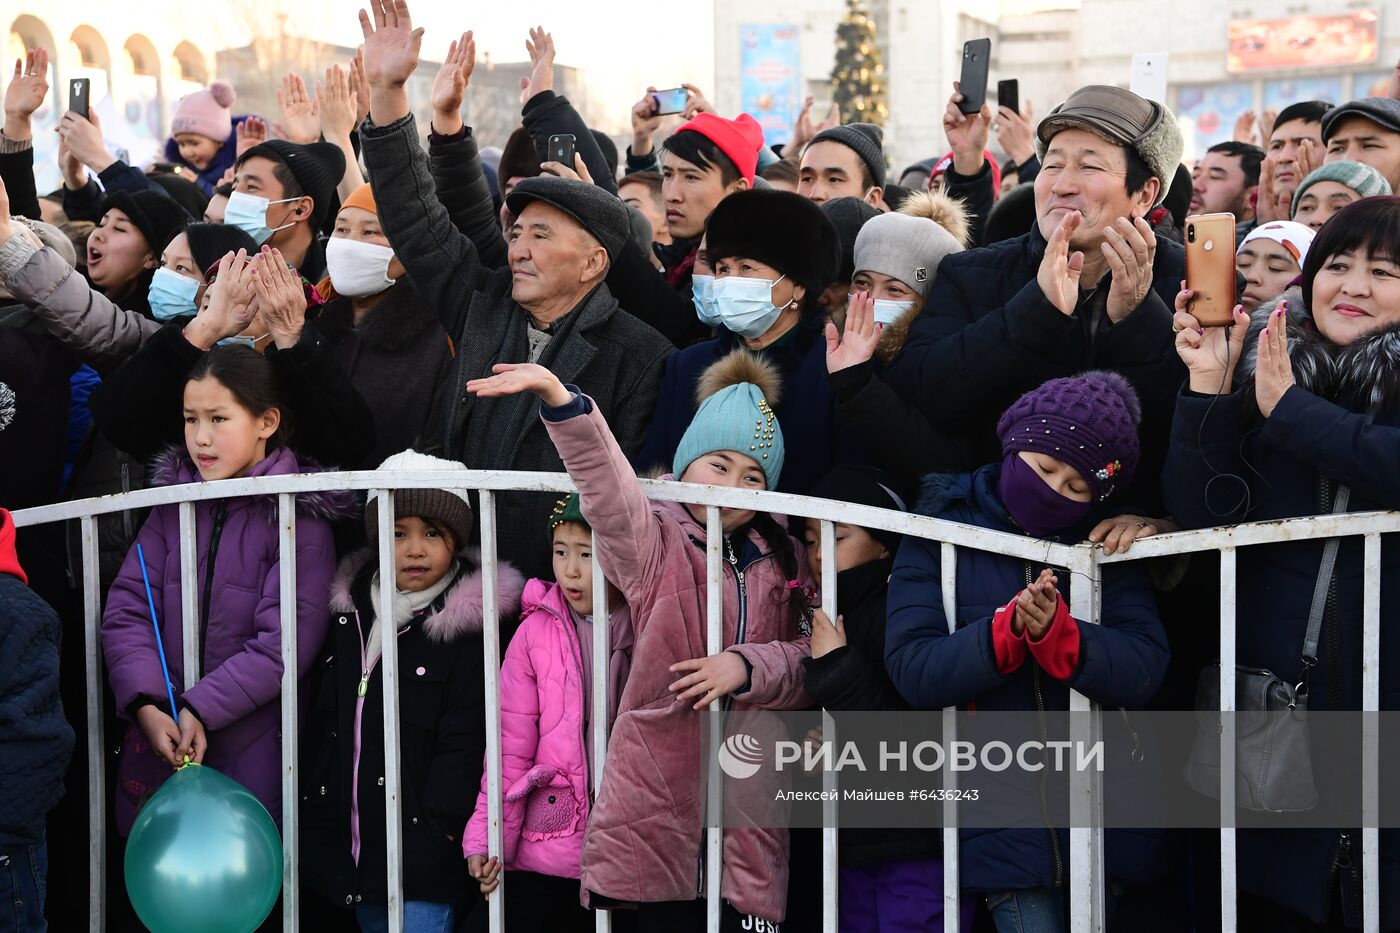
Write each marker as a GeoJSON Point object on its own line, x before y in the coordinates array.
{"type": "Point", "coordinates": [1210, 268]}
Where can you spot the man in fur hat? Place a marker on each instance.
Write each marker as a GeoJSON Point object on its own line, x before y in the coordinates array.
{"type": "Point", "coordinates": [1089, 286]}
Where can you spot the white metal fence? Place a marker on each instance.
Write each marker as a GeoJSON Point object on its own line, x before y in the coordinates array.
{"type": "Point", "coordinates": [1086, 879]}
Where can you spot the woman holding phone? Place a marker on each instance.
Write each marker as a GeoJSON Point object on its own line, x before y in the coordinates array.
{"type": "Point", "coordinates": [1284, 411]}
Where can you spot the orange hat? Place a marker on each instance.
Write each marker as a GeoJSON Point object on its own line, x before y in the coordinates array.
{"type": "Point", "coordinates": [363, 198]}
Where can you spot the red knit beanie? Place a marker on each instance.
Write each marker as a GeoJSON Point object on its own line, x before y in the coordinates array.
{"type": "Point", "coordinates": [739, 139]}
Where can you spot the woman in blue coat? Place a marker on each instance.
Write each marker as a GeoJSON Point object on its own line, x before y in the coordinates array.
{"type": "Point", "coordinates": [1068, 446]}
{"type": "Point", "coordinates": [1273, 423]}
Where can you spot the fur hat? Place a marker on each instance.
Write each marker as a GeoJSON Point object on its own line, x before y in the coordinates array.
{"type": "Point", "coordinates": [1124, 119]}
{"type": "Point", "coordinates": [784, 230]}
{"type": "Point", "coordinates": [1011, 216]}
{"type": "Point", "coordinates": [206, 113]}
{"type": "Point", "coordinates": [448, 506]}
{"type": "Point", "coordinates": [518, 159]}
{"type": "Point", "coordinates": [1089, 421]}
{"type": "Point", "coordinates": [737, 390]}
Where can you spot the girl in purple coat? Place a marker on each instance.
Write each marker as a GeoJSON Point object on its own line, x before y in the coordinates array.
{"type": "Point", "coordinates": [229, 719]}
{"type": "Point", "coordinates": [547, 736]}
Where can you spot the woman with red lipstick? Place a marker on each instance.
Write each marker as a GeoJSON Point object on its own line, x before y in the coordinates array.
{"type": "Point", "coordinates": [1287, 415]}
{"type": "Point", "coordinates": [547, 737]}
{"type": "Point", "coordinates": [438, 615]}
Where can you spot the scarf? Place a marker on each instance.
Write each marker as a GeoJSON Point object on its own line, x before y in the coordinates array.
{"type": "Point", "coordinates": [406, 606]}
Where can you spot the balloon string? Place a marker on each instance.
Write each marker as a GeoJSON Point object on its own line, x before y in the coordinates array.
{"type": "Point", "coordinates": [160, 646]}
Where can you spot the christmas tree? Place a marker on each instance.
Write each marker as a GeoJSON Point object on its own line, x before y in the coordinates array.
{"type": "Point", "coordinates": [858, 78]}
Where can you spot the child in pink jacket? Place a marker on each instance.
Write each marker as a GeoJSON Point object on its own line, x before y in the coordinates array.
{"type": "Point", "coordinates": [547, 737]}
{"type": "Point", "coordinates": [644, 840]}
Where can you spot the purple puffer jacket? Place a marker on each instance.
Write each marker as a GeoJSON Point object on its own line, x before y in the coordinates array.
{"type": "Point", "coordinates": [643, 841]}
{"type": "Point", "coordinates": [237, 698]}
{"type": "Point", "coordinates": [544, 760]}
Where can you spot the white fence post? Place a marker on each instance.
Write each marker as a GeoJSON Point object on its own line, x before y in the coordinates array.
{"type": "Point", "coordinates": [1228, 919]}
{"type": "Point", "coordinates": [189, 594]}
{"type": "Point", "coordinates": [952, 896]}
{"type": "Point", "coordinates": [1086, 785]}
{"type": "Point", "coordinates": [491, 658]}
{"type": "Point", "coordinates": [291, 798]}
{"type": "Point", "coordinates": [714, 644]}
{"type": "Point", "coordinates": [1370, 737]}
{"type": "Point", "coordinates": [602, 679]}
{"type": "Point", "coordinates": [96, 745]}
{"type": "Point", "coordinates": [389, 679]}
{"type": "Point", "coordinates": [831, 892]}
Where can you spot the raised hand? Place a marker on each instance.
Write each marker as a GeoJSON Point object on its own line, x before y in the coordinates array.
{"type": "Point", "coordinates": [391, 50]}
{"type": "Point", "coordinates": [695, 102]}
{"type": "Point", "coordinates": [336, 103]}
{"type": "Point", "coordinates": [1059, 271]}
{"type": "Point", "coordinates": [645, 123]}
{"type": "Point", "coordinates": [1244, 127]}
{"type": "Point", "coordinates": [281, 297]}
{"type": "Point", "coordinates": [1273, 371]}
{"type": "Point", "coordinates": [360, 85]}
{"type": "Point", "coordinates": [858, 339]}
{"type": "Point", "coordinates": [805, 130]}
{"type": "Point", "coordinates": [1130, 248]}
{"type": "Point", "coordinates": [71, 167]}
{"type": "Point", "coordinates": [26, 92]}
{"type": "Point", "coordinates": [1210, 353]}
{"type": "Point", "coordinates": [229, 303]}
{"type": "Point", "coordinates": [514, 378]}
{"type": "Point", "coordinates": [1016, 133]}
{"type": "Point", "coordinates": [84, 140]}
{"type": "Point", "coordinates": [251, 132]}
{"type": "Point", "coordinates": [300, 112]}
{"type": "Point", "coordinates": [579, 171]}
{"type": "Point", "coordinates": [540, 45]}
{"type": "Point", "coordinates": [967, 133]}
{"type": "Point", "coordinates": [450, 85]}
{"type": "Point", "coordinates": [1270, 204]}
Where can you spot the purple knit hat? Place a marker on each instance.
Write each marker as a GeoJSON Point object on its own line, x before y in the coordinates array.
{"type": "Point", "coordinates": [1089, 421]}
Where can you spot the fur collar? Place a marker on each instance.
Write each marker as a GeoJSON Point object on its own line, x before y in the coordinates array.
{"type": "Point", "coordinates": [457, 613]}
{"type": "Point", "coordinates": [395, 324]}
{"type": "Point", "coordinates": [1365, 374]}
{"type": "Point", "coordinates": [174, 467]}
{"type": "Point", "coordinates": [892, 340]}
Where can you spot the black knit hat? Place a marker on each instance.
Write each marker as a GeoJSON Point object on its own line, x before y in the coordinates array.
{"type": "Point", "coordinates": [185, 192]}
{"type": "Point", "coordinates": [157, 216]}
{"type": "Point", "coordinates": [848, 215]}
{"type": "Point", "coordinates": [866, 139]}
{"type": "Point", "coordinates": [518, 159]}
{"type": "Point", "coordinates": [609, 150]}
{"type": "Point", "coordinates": [784, 230]}
{"type": "Point", "coordinates": [318, 168]}
{"type": "Point", "coordinates": [600, 213]}
{"type": "Point", "coordinates": [209, 242]}
{"type": "Point", "coordinates": [864, 485]}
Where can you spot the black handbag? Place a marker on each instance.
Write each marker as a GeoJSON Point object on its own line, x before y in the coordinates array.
{"type": "Point", "coordinates": [1273, 750]}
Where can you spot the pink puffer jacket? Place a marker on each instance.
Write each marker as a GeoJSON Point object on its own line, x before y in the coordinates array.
{"type": "Point", "coordinates": [644, 840]}
{"type": "Point", "coordinates": [544, 764]}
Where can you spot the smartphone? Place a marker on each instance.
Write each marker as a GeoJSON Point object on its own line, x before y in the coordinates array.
{"type": "Point", "coordinates": [1210, 268]}
{"type": "Point", "coordinates": [670, 101]}
{"type": "Point", "coordinates": [79, 89]}
{"type": "Point", "coordinates": [561, 149]}
{"type": "Point", "coordinates": [1149, 76]}
{"type": "Point", "coordinates": [1009, 95]}
{"type": "Point", "coordinates": [977, 54]}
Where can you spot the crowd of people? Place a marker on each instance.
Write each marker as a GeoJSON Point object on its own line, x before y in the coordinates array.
{"type": "Point", "coordinates": [1003, 342]}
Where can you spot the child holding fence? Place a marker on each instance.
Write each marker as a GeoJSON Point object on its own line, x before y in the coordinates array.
{"type": "Point", "coordinates": [649, 811]}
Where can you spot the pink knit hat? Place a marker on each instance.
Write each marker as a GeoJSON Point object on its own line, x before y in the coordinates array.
{"type": "Point", "coordinates": [206, 112]}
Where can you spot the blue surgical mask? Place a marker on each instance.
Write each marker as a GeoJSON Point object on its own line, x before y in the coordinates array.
{"type": "Point", "coordinates": [248, 212]}
{"type": "Point", "coordinates": [887, 311]}
{"type": "Point", "coordinates": [745, 305]}
{"type": "Point", "coordinates": [171, 295]}
{"type": "Point", "coordinates": [702, 290]}
{"type": "Point", "coordinates": [240, 341]}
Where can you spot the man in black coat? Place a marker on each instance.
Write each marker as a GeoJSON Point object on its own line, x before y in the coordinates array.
{"type": "Point", "coordinates": [1090, 287]}
{"type": "Point", "coordinates": [551, 306]}
{"type": "Point", "coordinates": [36, 738]}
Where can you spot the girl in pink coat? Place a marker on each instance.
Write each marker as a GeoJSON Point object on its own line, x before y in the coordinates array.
{"type": "Point", "coordinates": [547, 737]}
{"type": "Point", "coordinates": [644, 840]}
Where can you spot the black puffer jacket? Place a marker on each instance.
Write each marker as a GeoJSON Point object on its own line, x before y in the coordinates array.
{"type": "Point", "coordinates": [36, 737]}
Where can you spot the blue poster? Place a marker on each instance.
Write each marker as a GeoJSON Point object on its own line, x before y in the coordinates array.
{"type": "Point", "coordinates": [1279, 94]}
{"type": "Point", "coordinates": [1209, 111]}
{"type": "Point", "coordinates": [771, 78]}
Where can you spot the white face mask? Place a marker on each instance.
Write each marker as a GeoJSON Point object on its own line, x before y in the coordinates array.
{"type": "Point", "coordinates": [702, 291]}
{"type": "Point", "coordinates": [248, 212]}
{"type": "Point", "coordinates": [887, 311]}
{"type": "Point", "coordinates": [745, 305]}
{"type": "Point", "coordinates": [357, 268]}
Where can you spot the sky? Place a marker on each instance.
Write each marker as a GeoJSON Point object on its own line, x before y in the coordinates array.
{"type": "Point", "coordinates": [623, 47]}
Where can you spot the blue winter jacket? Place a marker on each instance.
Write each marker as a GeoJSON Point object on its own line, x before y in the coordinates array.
{"type": "Point", "coordinates": [1121, 663]}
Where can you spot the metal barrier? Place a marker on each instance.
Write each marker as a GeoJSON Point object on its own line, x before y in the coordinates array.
{"type": "Point", "coordinates": [1086, 880]}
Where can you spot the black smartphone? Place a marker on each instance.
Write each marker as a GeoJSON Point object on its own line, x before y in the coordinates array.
{"type": "Point", "coordinates": [79, 89]}
{"type": "Point", "coordinates": [1009, 95]}
{"type": "Point", "coordinates": [977, 54]}
{"type": "Point", "coordinates": [561, 149]}
{"type": "Point", "coordinates": [672, 100]}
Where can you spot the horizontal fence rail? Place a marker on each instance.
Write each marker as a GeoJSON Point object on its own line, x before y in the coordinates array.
{"type": "Point", "coordinates": [1084, 562]}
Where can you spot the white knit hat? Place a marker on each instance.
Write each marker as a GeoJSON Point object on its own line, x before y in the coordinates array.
{"type": "Point", "coordinates": [449, 506]}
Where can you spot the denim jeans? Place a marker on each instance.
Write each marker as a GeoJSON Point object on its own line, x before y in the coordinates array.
{"type": "Point", "coordinates": [24, 883]}
{"type": "Point", "coordinates": [418, 917]}
{"type": "Point", "coordinates": [1038, 910]}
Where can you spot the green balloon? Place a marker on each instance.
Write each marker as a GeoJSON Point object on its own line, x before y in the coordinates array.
{"type": "Point", "coordinates": [204, 856]}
